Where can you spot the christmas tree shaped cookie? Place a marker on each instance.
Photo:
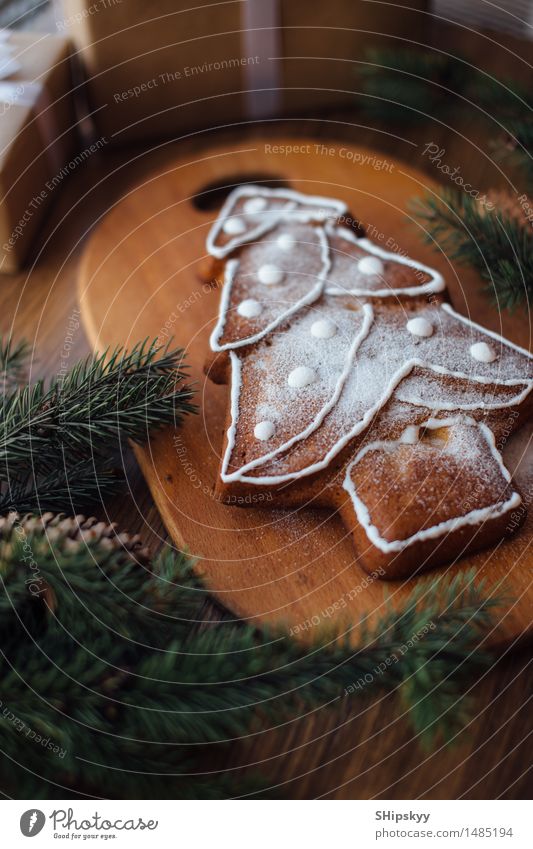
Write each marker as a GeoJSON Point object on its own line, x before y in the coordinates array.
{"type": "Point", "coordinates": [355, 385]}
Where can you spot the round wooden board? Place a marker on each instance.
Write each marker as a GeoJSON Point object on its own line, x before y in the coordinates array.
{"type": "Point", "coordinates": [139, 277]}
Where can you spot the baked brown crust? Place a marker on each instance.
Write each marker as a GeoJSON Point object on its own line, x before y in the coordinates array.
{"type": "Point", "coordinates": [355, 387]}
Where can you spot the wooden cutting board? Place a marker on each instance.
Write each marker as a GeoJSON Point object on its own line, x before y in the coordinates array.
{"type": "Point", "coordinates": [139, 277]}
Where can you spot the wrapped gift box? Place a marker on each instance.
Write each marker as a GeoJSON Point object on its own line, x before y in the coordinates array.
{"type": "Point", "coordinates": [37, 135]}
{"type": "Point", "coordinates": [163, 68]}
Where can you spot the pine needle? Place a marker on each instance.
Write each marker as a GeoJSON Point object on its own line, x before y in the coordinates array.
{"type": "Point", "coordinates": [57, 441]}
{"type": "Point", "coordinates": [405, 86]}
{"type": "Point", "coordinates": [105, 652]}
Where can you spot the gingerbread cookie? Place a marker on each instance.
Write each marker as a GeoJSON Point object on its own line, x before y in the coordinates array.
{"type": "Point", "coordinates": [355, 385]}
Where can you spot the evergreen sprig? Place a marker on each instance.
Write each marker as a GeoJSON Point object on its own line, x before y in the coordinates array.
{"type": "Point", "coordinates": [14, 358]}
{"type": "Point", "coordinates": [515, 148]}
{"type": "Point", "coordinates": [409, 86]}
{"type": "Point", "coordinates": [57, 441]}
{"type": "Point", "coordinates": [494, 241]}
{"type": "Point", "coordinates": [105, 653]}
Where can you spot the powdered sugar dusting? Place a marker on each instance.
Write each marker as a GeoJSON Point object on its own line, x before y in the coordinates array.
{"type": "Point", "coordinates": [460, 453]}
{"type": "Point", "coordinates": [345, 338]}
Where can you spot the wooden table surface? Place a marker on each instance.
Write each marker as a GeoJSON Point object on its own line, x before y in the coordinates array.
{"type": "Point", "coordinates": [361, 750]}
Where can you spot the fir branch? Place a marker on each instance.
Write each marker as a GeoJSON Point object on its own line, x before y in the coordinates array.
{"type": "Point", "coordinates": [498, 244]}
{"type": "Point", "coordinates": [406, 86]}
{"type": "Point", "coordinates": [68, 431]}
{"type": "Point", "coordinates": [105, 652]}
{"type": "Point", "coordinates": [13, 363]}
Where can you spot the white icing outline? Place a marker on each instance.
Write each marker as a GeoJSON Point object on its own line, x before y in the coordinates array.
{"type": "Point", "coordinates": [410, 435]}
{"type": "Point", "coordinates": [325, 329]}
{"type": "Point", "coordinates": [474, 517]}
{"type": "Point", "coordinates": [376, 270]}
{"type": "Point", "coordinates": [449, 309]}
{"type": "Point", "coordinates": [368, 318]}
{"type": "Point", "coordinates": [435, 284]}
{"type": "Point", "coordinates": [310, 297]}
{"type": "Point", "coordinates": [279, 274]}
{"type": "Point", "coordinates": [268, 219]}
{"type": "Point", "coordinates": [396, 379]}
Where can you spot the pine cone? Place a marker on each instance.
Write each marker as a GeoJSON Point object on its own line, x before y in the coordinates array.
{"type": "Point", "coordinates": [69, 533]}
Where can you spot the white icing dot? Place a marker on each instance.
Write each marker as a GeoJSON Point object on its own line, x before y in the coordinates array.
{"type": "Point", "coordinates": [483, 353]}
{"type": "Point", "coordinates": [270, 274]}
{"type": "Point", "coordinates": [234, 226]}
{"type": "Point", "coordinates": [370, 265]}
{"type": "Point", "coordinates": [264, 430]}
{"type": "Point", "coordinates": [249, 308]}
{"type": "Point", "coordinates": [255, 205]}
{"type": "Point", "coordinates": [323, 329]}
{"type": "Point", "coordinates": [285, 242]}
{"type": "Point", "coordinates": [301, 376]}
{"type": "Point", "coordinates": [420, 327]}
{"type": "Point", "coordinates": [410, 435]}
